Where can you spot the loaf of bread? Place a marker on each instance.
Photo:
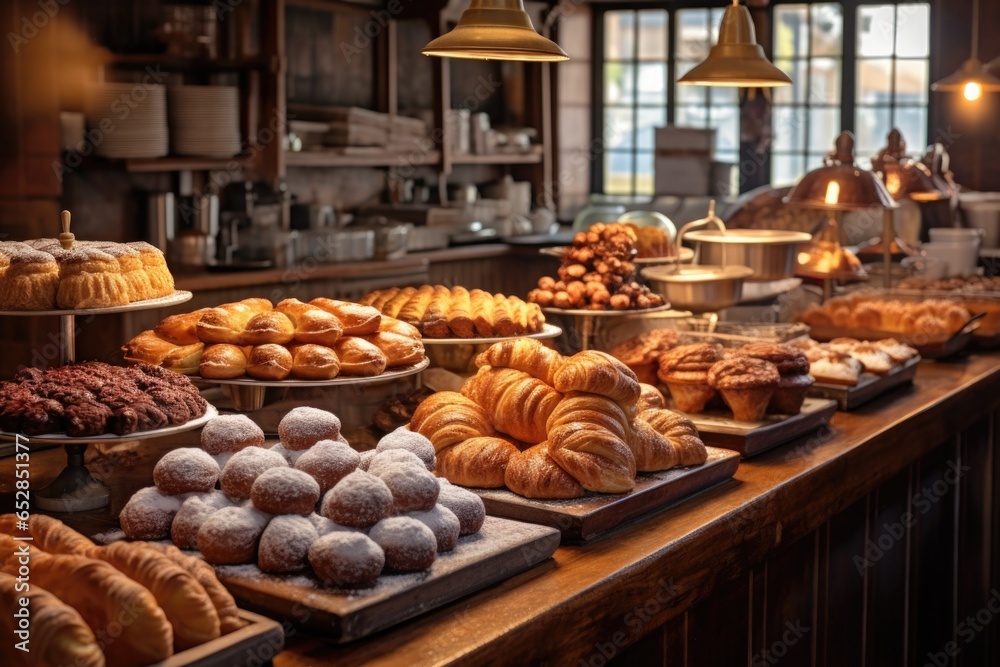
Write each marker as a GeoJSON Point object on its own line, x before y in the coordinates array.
{"type": "Point", "coordinates": [456, 312]}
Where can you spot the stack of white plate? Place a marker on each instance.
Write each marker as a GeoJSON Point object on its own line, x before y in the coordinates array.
{"type": "Point", "coordinates": [128, 120]}
{"type": "Point", "coordinates": [205, 120]}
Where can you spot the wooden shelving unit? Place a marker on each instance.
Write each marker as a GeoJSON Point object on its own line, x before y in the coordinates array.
{"type": "Point", "coordinates": [334, 159]}
{"type": "Point", "coordinates": [534, 157]}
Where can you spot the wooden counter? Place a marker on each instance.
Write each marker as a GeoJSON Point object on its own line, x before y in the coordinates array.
{"type": "Point", "coordinates": [854, 546]}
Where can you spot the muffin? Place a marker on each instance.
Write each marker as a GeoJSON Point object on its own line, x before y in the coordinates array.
{"type": "Point", "coordinates": [642, 352]}
{"type": "Point", "coordinates": [746, 385]}
{"type": "Point", "coordinates": [684, 370]}
{"type": "Point", "coordinates": [793, 370]}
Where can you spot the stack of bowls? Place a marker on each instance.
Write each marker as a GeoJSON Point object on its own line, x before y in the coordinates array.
{"type": "Point", "coordinates": [957, 247]}
{"type": "Point", "coordinates": [205, 121]}
{"type": "Point", "coordinates": [127, 120]}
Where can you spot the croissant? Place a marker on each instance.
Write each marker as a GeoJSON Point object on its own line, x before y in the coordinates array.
{"type": "Point", "coordinates": [49, 535]}
{"type": "Point", "coordinates": [650, 397]}
{"type": "Point", "coordinates": [477, 462]}
{"type": "Point", "coordinates": [518, 404]}
{"type": "Point", "coordinates": [681, 432]}
{"type": "Point", "coordinates": [523, 354]}
{"type": "Point", "coordinates": [534, 474]}
{"type": "Point", "coordinates": [184, 601]}
{"type": "Point", "coordinates": [447, 418]}
{"type": "Point", "coordinates": [59, 636]}
{"type": "Point", "coordinates": [652, 450]}
{"type": "Point", "coordinates": [225, 605]}
{"type": "Point", "coordinates": [599, 373]}
{"type": "Point", "coordinates": [105, 599]}
{"type": "Point", "coordinates": [588, 438]}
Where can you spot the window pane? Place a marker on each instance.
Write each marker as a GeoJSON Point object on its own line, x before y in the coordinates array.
{"type": "Point", "coordinates": [824, 127]}
{"type": "Point", "coordinates": [647, 120]}
{"type": "Point", "coordinates": [691, 116]}
{"type": "Point", "coordinates": [874, 81]}
{"type": "Point", "coordinates": [791, 30]}
{"type": "Point", "coordinates": [789, 129]}
{"type": "Point", "coordinates": [913, 29]}
{"type": "Point", "coordinates": [619, 35]}
{"type": "Point", "coordinates": [875, 30]}
{"type": "Point", "coordinates": [723, 95]}
{"type": "Point", "coordinates": [871, 126]}
{"type": "Point", "coordinates": [694, 34]}
{"type": "Point", "coordinates": [827, 29]}
{"type": "Point", "coordinates": [689, 94]}
{"type": "Point", "coordinates": [726, 121]}
{"type": "Point", "coordinates": [619, 83]}
{"type": "Point", "coordinates": [653, 34]}
{"type": "Point", "coordinates": [912, 123]}
{"type": "Point", "coordinates": [787, 169]}
{"type": "Point", "coordinates": [911, 82]}
{"type": "Point", "coordinates": [618, 128]}
{"type": "Point", "coordinates": [824, 81]}
{"type": "Point", "coordinates": [652, 83]}
{"type": "Point", "coordinates": [797, 71]}
{"type": "Point", "coordinates": [617, 173]}
{"type": "Point", "coordinates": [644, 174]}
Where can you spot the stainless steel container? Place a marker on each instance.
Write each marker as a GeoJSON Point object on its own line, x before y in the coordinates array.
{"type": "Point", "coordinates": [770, 253]}
{"type": "Point", "coordinates": [700, 289]}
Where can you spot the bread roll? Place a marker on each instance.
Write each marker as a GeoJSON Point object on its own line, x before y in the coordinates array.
{"type": "Point", "coordinates": [225, 323]}
{"type": "Point", "coordinates": [435, 323]}
{"type": "Point", "coordinates": [396, 303]}
{"type": "Point", "coordinates": [460, 313]}
{"type": "Point", "coordinates": [270, 327]}
{"type": "Point", "coordinates": [393, 325]}
{"type": "Point", "coordinates": [312, 324]}
{"type": "Point", "coordinates": [180, 329]}
{"type": "Point", "coordinates": [503, 323]}
{"type": "Point", "coordinates": [357, 320]}
{"type": "Point", "coordinates": [223, 362]}
{"type": "Point", "coordinates": [314, 362]}
{"type": "Point", "coordinates": [269, 362]}
{"type": "Point", "coordinates": [482, 312]}
{"type": "Point", "coordinates": [414, 309]}
{"type": "Point", "coordinates": [359, 357]}
{"type": "Point", "coordinates": [148, 348]}
{"type": "Point", "coordinates": [399, 350]}
{"type": "Point", "coordinates": [379, 298]}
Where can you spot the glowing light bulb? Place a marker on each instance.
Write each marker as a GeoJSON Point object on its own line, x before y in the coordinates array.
{"type": "Point", "coordinates": [832, 192]}
{"type": "Point", "coordinates": [973, 91]}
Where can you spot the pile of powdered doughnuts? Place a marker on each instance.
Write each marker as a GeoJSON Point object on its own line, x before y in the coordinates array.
{"type": "Point", "coordinates": [319, 340]}
{"type": "Point", "coordinates": [307, 502]}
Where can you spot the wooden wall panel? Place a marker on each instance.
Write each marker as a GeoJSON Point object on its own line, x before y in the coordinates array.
{"type": "Point", "coordinates": [886, 569]}
{"type": "Point", "coordinates": [841, 592]}
{"type": "Point", "coordinates": [728, 607]}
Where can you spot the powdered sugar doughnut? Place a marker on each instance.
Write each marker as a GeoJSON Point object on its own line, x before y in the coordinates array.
{"type": "Point", "coordinates": [194, 511]}
{"type": "Point", "coordinates": [284, 544]}
{"type": "Point", "coordinates": [148, 514]}
{"type": "Point", "coordinates": [414, 488]}
{"type": "Point", "coordinates": [328, 461]}
{"type": "Point", "coordinates": [290, 455]}
{"type": "Point", "coordinates": [404, 438]}
{"type": "Point", "coordinates": [366, 459]}
{"type": "Point", "coordinates": [391, 456]}
{"type": "Point", "coordinates": [230, 536]}
{"type": "Point", "coordinates": [357, 501]}
{"type": "Point", "coordinates": [185, 470]}
{"type": "Point", "coordinates": [443, 523]}
{"type": "Point", "coordinates": [285, 491]}
{"type": "Point", "coordinates": [408, 544]}
{"type": "Point", "coordinates": [465, 505]}
{"type": "Point", "coordinates": [304, 427]}
{"type": "Point", "coordinates": [230, 433]}
{"type": "Point", "coordinates": [246, 466]}
{"type": "Point", "coordinates": [347, 560]}
{"type": "Point", "coordinates": [324, 526]}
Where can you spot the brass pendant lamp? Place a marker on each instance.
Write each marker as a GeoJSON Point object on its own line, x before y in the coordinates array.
{"type": "Point", "coordinates": [736, 60]}
{"type": "Point", "coordinates": [495, 30]}
{"type": "Point", "coordinates": [973, 78]}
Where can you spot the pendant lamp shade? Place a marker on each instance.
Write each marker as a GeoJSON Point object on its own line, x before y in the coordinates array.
{"type": "Point", "coordinates": [840, 185]}
{"type": "Point", "coordinates": [736, 60]}
{"type": "Point", "coordinates": [973, 78]}
{"type": "Point", "coordinates": [495, 30]}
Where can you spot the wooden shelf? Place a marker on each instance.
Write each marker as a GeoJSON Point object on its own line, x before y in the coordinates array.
{"type": "Point", "coordinates": [168, 164]}
{"type": "Point", "coordinates": [333, 159]}
{"type": "Point", "coordinates": [498, 158]}
{"type": "Point", "coordinates": [175, 63]}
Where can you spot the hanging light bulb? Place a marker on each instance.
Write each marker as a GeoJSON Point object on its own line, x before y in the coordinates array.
{"type": "Point", "coordinates": [972, 79]}
{"type": "Point", "coordinates": [495, 30]}
{"type": "Point", "coordinates": [736, 60]}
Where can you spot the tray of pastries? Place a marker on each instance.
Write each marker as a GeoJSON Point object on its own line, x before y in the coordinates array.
{"type": "Point", "coordinates": [308, 528]}
{"type": "Point", "coordinates": [449, 313]}
{"type": "Point", "coordinates": [936, 328]}
{"type": "Point", "coordinates": [255, 342]}
{"type": "Point", "coordinates": [129, 604]}
{"type": "Point", "coordinates": [95, 401]}
{"type": "Point", "coordinates": [598, 273]}
{"type": "Point", "coordinates": [93, 277]}
{"type": "Point", "coordinates": [853, 372]}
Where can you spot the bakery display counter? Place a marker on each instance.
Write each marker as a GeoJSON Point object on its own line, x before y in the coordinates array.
{"type": "Point", "coordinates": [815, 535]}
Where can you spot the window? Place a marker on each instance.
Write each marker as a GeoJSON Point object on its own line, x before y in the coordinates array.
{"type": "Point", "coordinates": [856, 65]}
{"type": "Point", "coordinates": [642, 58]}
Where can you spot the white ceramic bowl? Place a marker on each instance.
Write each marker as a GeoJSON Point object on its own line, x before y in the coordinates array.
{"type": "Point", "coordinates": [961, 258]}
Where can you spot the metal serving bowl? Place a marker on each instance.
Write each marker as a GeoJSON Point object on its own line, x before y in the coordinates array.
{"type": "Point", "coordinates": [700, 289]}
{"type": "Point", "coordinates": [770, 253]}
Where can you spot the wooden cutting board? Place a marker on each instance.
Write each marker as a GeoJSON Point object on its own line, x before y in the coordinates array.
{"type": "Point", "coordinates": [259, 637]}
{"type": "Point", "coordinates": [869, 386]}
{"type": "Point", "coordinates": [719, 429]}
{"type": "Point", "coordinates": [500, 550]}
{"type": "Point", "coordinates": [581, 519]}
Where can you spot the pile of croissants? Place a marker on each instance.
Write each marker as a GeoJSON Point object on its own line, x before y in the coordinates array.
{"type": "Point", "coordinates": [127, 604]}
{"type": "Point", "coordinates": [548, 426]}
{"type": "Point", "coordinates": [318, 340]}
